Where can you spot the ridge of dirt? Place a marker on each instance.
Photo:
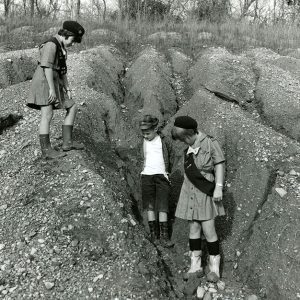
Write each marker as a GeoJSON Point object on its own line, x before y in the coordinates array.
{"type": "Point", "coordinates": [68, 230]}
{"type": "Point", "coordinates": [74, 228]}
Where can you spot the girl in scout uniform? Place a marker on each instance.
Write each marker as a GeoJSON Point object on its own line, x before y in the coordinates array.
{"type": "Point", "coordinates": [157, 153]}
{"type": "Point", "coordinates": [201, 193]}
{"type": "Point", "coordinates": [50, 88]}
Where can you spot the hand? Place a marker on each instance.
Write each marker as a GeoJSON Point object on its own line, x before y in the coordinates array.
{"type": "Point", "coordinates": [69, 93]}
{"type": "Point", "coordinates": [52, 96]}
{"type": "Point", "coordinates": [218, 193]}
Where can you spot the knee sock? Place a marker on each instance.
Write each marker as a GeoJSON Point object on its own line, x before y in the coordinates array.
{"type": "Point", "coordinates": [213, 248]}
{"type": "Point", "coordinates": [195, 244]}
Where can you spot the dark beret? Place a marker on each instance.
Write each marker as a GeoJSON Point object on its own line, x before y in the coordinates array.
{"type": "Point", "coordinates": [185, 122]}
{"type": "Point", "coordinates": [75, 28]}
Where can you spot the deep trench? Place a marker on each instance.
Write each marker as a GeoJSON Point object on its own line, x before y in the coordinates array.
{"type": "Point", "coordinates": [93, 150]}
{"type": "Point", "coordinates": [8, 120]}
{"type": "Point", "coordinates": [182, 95]}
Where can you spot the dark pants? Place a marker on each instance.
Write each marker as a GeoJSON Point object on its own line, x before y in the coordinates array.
{"type": "Point", "coordinates": [155, 192]}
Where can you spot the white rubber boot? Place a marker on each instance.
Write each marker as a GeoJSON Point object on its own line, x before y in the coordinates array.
{"type": "Point", "coordinates": [195, 262]}
{"type": "Point", "coordinates": [214, 264]}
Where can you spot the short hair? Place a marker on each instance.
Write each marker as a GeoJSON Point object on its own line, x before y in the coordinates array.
{"type": "Point", "coordinates": [65, 33]}
{"type": "Point", "coordinates": [183, 133]}
{"type": "Point", "coordinates": [148, 122]}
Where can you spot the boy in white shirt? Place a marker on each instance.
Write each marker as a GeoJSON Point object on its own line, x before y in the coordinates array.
{"type": "Point", "coordinates": [158, 156]}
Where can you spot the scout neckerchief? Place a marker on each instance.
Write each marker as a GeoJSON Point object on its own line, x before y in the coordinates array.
{"type": "Point", "coordinates": [194, 175]}
{"type": "Point", "coordinates": [61, 57]}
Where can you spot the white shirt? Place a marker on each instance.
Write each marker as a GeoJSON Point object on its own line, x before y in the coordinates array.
{"type": "Point", "coordinates": [153, 157]}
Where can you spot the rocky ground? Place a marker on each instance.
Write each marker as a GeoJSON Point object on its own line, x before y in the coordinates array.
{"type": "Point", "coordinates": [73, 228]}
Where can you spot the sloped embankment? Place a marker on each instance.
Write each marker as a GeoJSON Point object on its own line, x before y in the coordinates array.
{"type": "Point", "coordinates": [68, 228]}
{"type": "Point", "coordinates": [259, 80]}
{"type": "Point", "coordinates": [256, 198]}
{"type": "Point", "coordinates": [17, 66]}
{"type": "Point", "coordinates": [148, 87]}
{"type": "Point", "coordinates": [254, 153]}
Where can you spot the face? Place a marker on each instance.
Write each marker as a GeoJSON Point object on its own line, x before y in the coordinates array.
{"type": "Point", "coordinates": [149, 134]}
{"type": "Point", "coordinates": [68, 42]}
{"type": "Point", "coordinates": [181, 135]}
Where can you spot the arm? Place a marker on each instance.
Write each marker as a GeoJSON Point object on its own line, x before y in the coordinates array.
{"type": "Point", "coordinates": [47, 62]}
{"type": "Point", "coordinates": [219, 179]}
{"type": "Point", "coordinates": [49, 77]}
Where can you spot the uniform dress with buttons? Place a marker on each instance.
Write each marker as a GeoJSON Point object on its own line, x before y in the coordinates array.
{"type": "Point", "coordinates": [194, 204]}
{"type": "Point", "coordinates": [39, 91]}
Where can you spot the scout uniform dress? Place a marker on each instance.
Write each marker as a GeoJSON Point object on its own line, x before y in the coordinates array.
{"type": "Point", "coordinates": [39, 91]}
{"type": "Point", "coordinates": [194, 204]}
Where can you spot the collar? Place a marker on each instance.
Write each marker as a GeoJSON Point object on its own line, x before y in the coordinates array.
{"type": "Point", "coordinates": [197, 144]}
{"type": "Point", "coordinates": [200, 137]}
{"type": "Point", "coordinates": [193, 150]}
{"type": "Point", "coordinates": [61, 44]}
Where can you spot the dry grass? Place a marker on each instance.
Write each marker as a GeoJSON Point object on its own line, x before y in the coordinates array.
{"type": "Point", "coordinates": [232, 34]}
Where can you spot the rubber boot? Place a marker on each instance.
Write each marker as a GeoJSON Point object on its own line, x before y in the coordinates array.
{"type": "Point", "coordinates": [47, 151]}
{"type": "Point", "coordinates": [153, 231]}
{"type": "Point", "coordinates": [195, 262]}
{"type": "Point", "coordinates": [195, 268]}
{"type": "Point", "coordinates": [68, 143]}
{"type": "Point", "coordinates": [214, 264]}
{"type": "Point", "coordinates": [164, 235]}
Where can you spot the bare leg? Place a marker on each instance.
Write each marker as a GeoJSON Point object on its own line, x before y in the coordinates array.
{"type": "Point", "coordinates": [210, 230]}
{"type": "Point", "coordinates": [70, 115]}
{"type": "Point", "coordinates": [195, 229]}
{"type": "Point", "coordinates": [46, 117]}
{"type": "Point", "coordinates": [151, 215]}
{"type": "Point", "coordinates": [163, 216]}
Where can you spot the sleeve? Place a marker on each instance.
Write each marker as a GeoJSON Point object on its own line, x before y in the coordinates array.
{"type": "Point", "coordinates": [171, 151]}
{"type": "Point", "coordinates": [216, 152]}
{"type": "Point", "coordinates": [48, 53]}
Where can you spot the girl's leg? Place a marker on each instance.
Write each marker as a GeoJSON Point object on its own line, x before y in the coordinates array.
{"type": "Point", "coordinates": [70, 115]}
{"type": "Point", "coordinates": [212, 246]}
{"type": "Point", "coordinates": [46, 117]}
{"type": "Point", "coordinates": [195, 246]}
{"type": "Point", "coordinates": [67, 129]}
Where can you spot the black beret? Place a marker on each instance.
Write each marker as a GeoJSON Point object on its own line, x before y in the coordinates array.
{"type": "Point", "coordinates": [74, 28]}
{"type": "Point", "coordinates": [185, 122]}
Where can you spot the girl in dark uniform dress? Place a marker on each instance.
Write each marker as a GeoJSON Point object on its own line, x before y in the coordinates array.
{"type": "Point", "coordinates": [50, 88]}
{"type": "Point", "coordinates": [201, 193]}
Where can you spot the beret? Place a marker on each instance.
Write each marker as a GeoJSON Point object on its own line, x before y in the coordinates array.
{"type": "Point", "coordinates": [74, 28]}
{"type": "Point", "coordinates": [185, 122]}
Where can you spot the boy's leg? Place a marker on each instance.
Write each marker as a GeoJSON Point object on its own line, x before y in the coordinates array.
{"type": "Point", "coordinates": [67, 130]}
{"type": "Point", "coordinates": [195, 247]}
{"type": "Point", "coordinates": [152, 224]}
{"type": "Point", "coordinates": [46, 117]}
{"type": "Point", "coordinates": [148, 199]}
{"type": "Point", "coordinates": [162, 199]}
{"type": "Point", "coordinates": [213, 246]}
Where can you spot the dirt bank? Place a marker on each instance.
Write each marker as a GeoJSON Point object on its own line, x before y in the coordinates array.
{"type": "Point", "coordinates": [74, 228]}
